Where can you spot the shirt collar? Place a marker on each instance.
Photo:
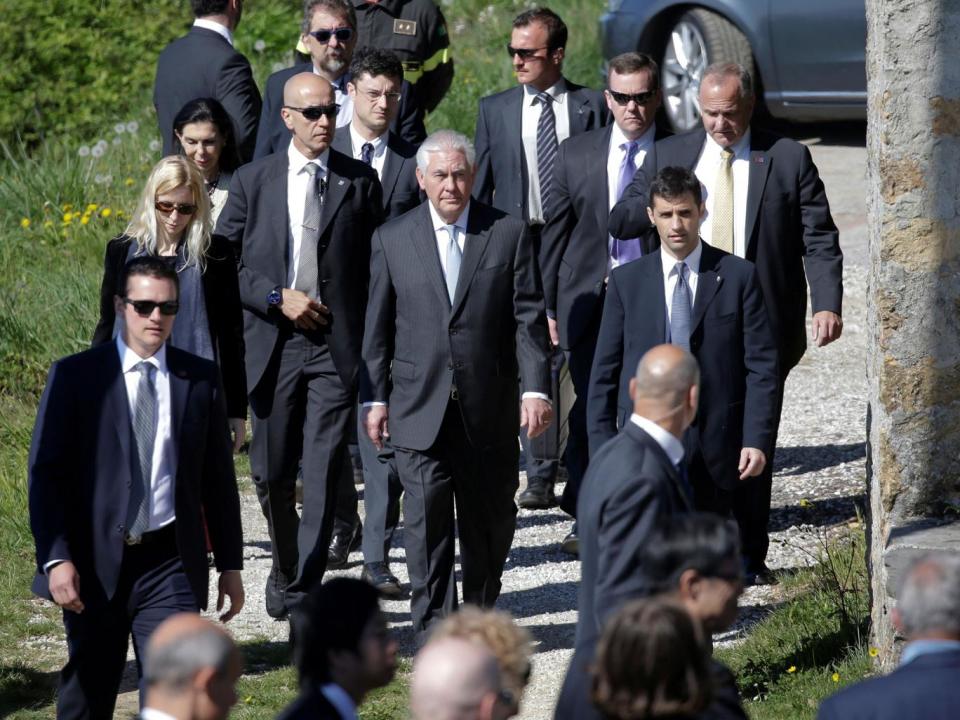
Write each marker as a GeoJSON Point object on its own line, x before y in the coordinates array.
{"type": "Point", "coordinates": [379, 143]}
{"type": "Point", "coordinates": [645, 141]}
{"type": "Point", "coordinates": [154, 714]}
{"type": "Point", "coordinates": [666, 440]}
{"type": "Point", "coordinates": [129, 359]}
{"type": "Point", "coordinates": [558, 91]}
{"type": "Point", "coordinates": [340, 84]}
{"type": "Point", "coordinates": [340, 700]}
{"type": "Point", "coordinates": [740, 147]}
{"type": "Point", "coordinates": [221, 30]}
{"type": "Point", "coordinates": [297, 161]}
{"type": "Point", "coordinates": [915, 649]}
{"type": "Point", "coordinates": [439, 222]}
{"type": "Point", "coordinates": [692, 260]}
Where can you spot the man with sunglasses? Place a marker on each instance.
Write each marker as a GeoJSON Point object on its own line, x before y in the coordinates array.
{"type": "Point", "coordinates": [131, 457]}
{"type": "Point", "coordinates": [576, 253]}
{"type": "Point", "coordinates": [300, 222]}
{"type": "Point", "coordinates": [329, 32]}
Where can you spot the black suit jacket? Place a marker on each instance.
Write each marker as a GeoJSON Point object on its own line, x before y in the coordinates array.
{"type": "Point", "coordinates": [495, 331]}
{"type": "Point", "coordinates": [222, 295]}
{"type": "Point", "coordinates": [255, 221]}
{"type": "Point", "coordinates": [401, 191]}
{"type": "Point", "coordinates": [501, 168]}
{"type": "Point", "coordinates": [81, 471]}
{"type": "Point", "coordinates": [730, 337]}
{"type": "Point", "coordinates": [203, 64]}
{"type": "Point", "coordinates": [789, 227]}
{"type": "Point", "coordinates": [311, 704]}
{"type": "Point", "coordinates": [574, 251]}
{"type": "Point", "coordinates": [273, 135]}
{"type": "Point", "coordinates": [924, 688]}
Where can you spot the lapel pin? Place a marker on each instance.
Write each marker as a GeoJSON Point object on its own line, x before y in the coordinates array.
{"type": "Point", "coordinates": [759, 159]}
{"type": "Point", "coordinates": [340, 182]}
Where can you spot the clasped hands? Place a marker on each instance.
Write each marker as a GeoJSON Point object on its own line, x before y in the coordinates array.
{"type": "Point", "coordinates": [302, 310]}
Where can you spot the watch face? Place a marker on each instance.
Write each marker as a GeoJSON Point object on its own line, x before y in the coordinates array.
{"type": "Point", "coordinates": [274, 298]}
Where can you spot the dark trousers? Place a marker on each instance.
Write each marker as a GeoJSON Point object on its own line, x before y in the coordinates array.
{"type": "Point", "coordinates": [381, 496]}
{"type": "Point", "coordinates": [577, 455]}
{"type": "Point", "coordinates": [542, 453]}
{"type": "Point", "coordinates": [300, 408]}
{"type": "Point", "coordinates": [575, 701]}
{"type": "Point", "coordinates": [152, 587]}
{"type": "Point", "coordinates": [480, 484]}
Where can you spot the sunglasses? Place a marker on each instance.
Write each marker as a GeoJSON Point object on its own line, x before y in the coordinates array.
{"type": "Point", "coordinates": [168, 207]}
{"type": "Point", "coordinates": [342, 35]}
{"type": "Point", "coordinates": [145, 308]}
{"type": "Point", "coordinates": [315, 112]}
{"type": "Point", "coordinates": [524, 53]}
{"type": "Point", "coordinates": [639, 98]}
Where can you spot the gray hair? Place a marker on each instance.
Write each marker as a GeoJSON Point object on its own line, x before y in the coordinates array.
{"type": "Point", "coordinates": [446, 141]}
{"type": "Point", "coordinates": [175, 663]}
{"type": "Point", "coordinates": [929, 595]}
{"type": "Point", "coordinates": [729, 69]}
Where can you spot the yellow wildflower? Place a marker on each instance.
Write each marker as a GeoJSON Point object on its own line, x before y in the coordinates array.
{"type": "Point", "coordinates": [67, 217]}
{"type": "Point", "coordinates": [835, 677]}
{"type": "Point", "coordinates": [874, 652]}
{"type": "Point", "coordinates": [25, 223]}
{"type": "Point", "coordinates": [67, 207]}
{"type": "Point", "coordinates": [91, 207]}
{"type": "Point", "coordinates": [85, 219]}
{"type": "Point", "coordinates": [792, 669]}
{"type": "Point", "coordinates": [248, 700]}
{"type": "Point", "coordinates": [128, 182]}
{"type": "Point", "coordinates": [804, 503]}
{"type": "Point", "coordinates": [106, 212]}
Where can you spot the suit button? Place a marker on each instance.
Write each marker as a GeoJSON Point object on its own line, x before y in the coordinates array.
{"type": "Point", "coordinates": [453, 331]}
{"type": "Point", "coordinates": [120, 528]}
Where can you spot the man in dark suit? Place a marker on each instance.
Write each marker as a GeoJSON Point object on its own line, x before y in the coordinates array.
{"type": "Point", "coordinates": [375, 91]}
{"type": "Point", "coordinates": [765, 203]}
{"type": "Point", "coordinates": [131, 453]}
{"type": "Point", "coordinates": [576, 254]}
{"type": "Point", "coordinates": [455, 316]}
{"type": "Point", "coordinates": [329, 31]}
{"type": "Point", "coordinates": [203, 63]}
{"type": "Point", "coordinates": [702, 299]}
{"type": "Point", "coordinates": [925, 684]}
{"type": "Point", "coordinates": [635, 482]}
{"type": "Point", "coordinates": [342, 650]}
{"type": "Point", "coordinates": [300, 221]}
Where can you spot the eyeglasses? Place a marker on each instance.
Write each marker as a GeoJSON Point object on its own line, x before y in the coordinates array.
{"type": "Point", "coordinates": [639, 98]}
{"type": "Point", "coordinates": [342, 34]}
{"type": "Point", "coordinates": [168, 207]}
{"type": "Point", "coordinates": [145, 308]}
{"type": "Point", "coordinates": [315, 112]}
{"type": "Point", "coordinates": [524, 53]}
{"type": "Point", "coordinates": [374, 96]}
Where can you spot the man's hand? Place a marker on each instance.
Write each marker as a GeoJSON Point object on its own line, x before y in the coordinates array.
{"type": "Point", "coordinates": [231, 586]}
{"type": "Point", "coordinates": [535, 415]}
{"type": "Point", "coordinates": [752, 462]}
{"type": "Point", "coordinates": [238, 427]}
{"type": "Point", "coordinates": [554, 331]}
{"type": "Point", "coordinates": [827, 327]}
{"type": "Point", "coordinates": [305, 312]}
{"type": "Point", "coordinates": [375, 422]}
{"type": "Point", "coordinates": [64, 583]}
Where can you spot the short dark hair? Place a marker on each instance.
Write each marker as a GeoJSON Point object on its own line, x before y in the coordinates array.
{"type": "Point", "coordinates": [332, 616]}
{"type": "Point", "coordinates": [674, 182]}
{"type": "Point", "coordinates": [556, 29]}
{"type": "Point", "coordinates": [334, 7]}
{"type": "Point", "coordinates": [375, 62]}
{"type": "Point", "coordinates": [693, 541]}
{"type": "Point", "coordinates": [629, 63]}
{"type": "Point", "coordinates": [203, 8]}
{"type": "Point", "coordinates": [208, 110]}
{"type": "Point", "coordinates": [149, 266]}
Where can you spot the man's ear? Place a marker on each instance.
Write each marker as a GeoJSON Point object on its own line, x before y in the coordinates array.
{"type": "Point", "coordinates": [420, 179]}
{"type": "Point", "coordinates": [896, 617]}
{"type": "Point", "coordinates": [203, 679]}
{"type": "Point", "coordinates": [118, 304]}
{"type": "Point", "coordinates": [650, 215]}
{"type": "Point", "coordinates": [688, 586]}
{"type": "Point", "coordinates": [632, 389]}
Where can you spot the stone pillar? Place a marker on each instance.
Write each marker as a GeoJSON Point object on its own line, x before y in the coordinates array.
{"type": "Point", "coordinates": [913, 308]}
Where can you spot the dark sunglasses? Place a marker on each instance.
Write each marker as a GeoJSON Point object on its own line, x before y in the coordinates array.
{"type": "Point", "coordinates": [145, 308]}
{"type": "Point", "coordinates": [315, 112]}
{"type": "Point", "coordinates": [524, 53]}
{"type": "Point", "coordinates": [168, 207]}
{"type": "Point", "coordinates": [639, 98]}
{"type": "Point", "coordinates": [341, 34]}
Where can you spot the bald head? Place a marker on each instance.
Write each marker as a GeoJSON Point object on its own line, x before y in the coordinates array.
{"type": "Point", "coordinates": [304, 86]}
{"type": "Point", "coordinates": [313, 131]}
{"type": "Point", "coordinates": [453, 679]}
{"type": "Point", "coordinates": [665, 387]}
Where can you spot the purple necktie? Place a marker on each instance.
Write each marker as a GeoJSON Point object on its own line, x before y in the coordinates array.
{"type": "Point", "coordinates": [624, 251]}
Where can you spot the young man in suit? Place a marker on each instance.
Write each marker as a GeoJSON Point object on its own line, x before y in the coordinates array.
{"type": "Point", "coordinates": [708, 302]}
{"type": "Point", "coordinates": [765, 202]}
{"type": "Point", "coordinates": [329, 31]}
{"type": "Point", "coordinates": [203, 63]}
{"type": "Point", "coordinates": [300, 222]}
{"type": "Point", "coordinates": [576, 254]}
{"type": "Point", "coordinates": [131, 456]}
{"type": "Point", "coordinates": [635, 482]}
{"type": "Point", "coordinates": [455, 316]}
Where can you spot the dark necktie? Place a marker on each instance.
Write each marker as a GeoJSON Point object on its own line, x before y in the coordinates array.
{"type": "Point", "coordinates": [145, 434]}
{"type": "Point", "coordinates": [684, 479]}
{"type": "Point", "coordinates": [307, 272]}
{"type": "Point", "coordinates": [366, 153]}
{"type": "Point", "coordinates": [628, 249]}
{"type": "Point", "coordinates": [546, 151]}
{"type": "Point", "coordinates": [680, 309]}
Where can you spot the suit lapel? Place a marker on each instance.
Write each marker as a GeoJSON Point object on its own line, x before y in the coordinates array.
{"type": "Point", "coordinates": [759, 169]}
{"type": "Point", "coordinates": [425, 241]}
{"type": "Point", "coordinates": [277, 192]}
{"type": "Point", "coordinates": [579, 112]}
{"type": "Point", "coordinates": [337, 187]}
{"type": "Point", "coordinates": [473, 248]}
{"type": "Point", "coordinates": [655, 298]}
{"type": "Point", "coordinates": [513, 108]}
{"type": "Point", "coordinates": [391, 171]}
{"type": "Point", "coordinates": [179, 390]}
{"type": "Point", "coordinates": [596, 176]}
{"type": "Point", "coordinates": [709, 281]}
{"type": "Point", "coordinates": [120, 411]}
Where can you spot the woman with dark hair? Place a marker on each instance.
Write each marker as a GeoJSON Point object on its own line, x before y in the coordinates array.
{"type": "Point", "coordinates": [202, 131]}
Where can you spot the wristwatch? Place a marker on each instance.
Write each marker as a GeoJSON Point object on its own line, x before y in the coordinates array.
{"type": "Point", "coordinates": [275, 298]}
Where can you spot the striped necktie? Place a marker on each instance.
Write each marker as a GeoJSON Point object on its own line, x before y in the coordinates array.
{"type": "Point", "coordinates": [547, 146]}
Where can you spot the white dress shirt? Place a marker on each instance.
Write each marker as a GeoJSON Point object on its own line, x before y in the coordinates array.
{"type": "Point", "coordinates": [706, 170]}
{"type": "Point", "coordinates": [379, 149]}
{"type": "Point", "coordinates": [616, 154]}
{"type": "Point", "coordinates": [221, 30]}
{"type": "Point", "coordinates": [152, 714]}
{"type": "Point", "coordinates": [340, 700]}
{"type": "Point", "coordinates": [529, 119]}
{"type": "Point", "coordinates": [297, 179]}
{"type": "Point", "coordinates": [666, 440]}
{"type": "Point", "coordinates": [670, 276]}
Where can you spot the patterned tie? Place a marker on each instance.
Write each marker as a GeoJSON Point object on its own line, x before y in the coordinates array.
{"type": "Point", "coordinates": [722, 234]}
{"type": "Point", "coordinates": [454, 256]}
{"type": "Point", "coordinates": [628, 249]}
{"type": "Point", "coordinates": [145, 433]}
{"type": "Point", "coordinates": [546, 152]}
{"type": "Point", "coordinates": [307, 271]}
{"type": "Point", "coordinates": [680, 309]}
{"type": "Point", "coordinates": [366, 153]}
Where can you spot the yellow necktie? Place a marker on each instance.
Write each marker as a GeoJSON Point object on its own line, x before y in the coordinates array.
{"type": "Point", "coordinates": [723, 204]}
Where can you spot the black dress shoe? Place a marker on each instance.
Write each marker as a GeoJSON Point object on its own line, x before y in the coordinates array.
{"type": "Point", "coordinates": [759, 576]}
{"type": "Point", "coordinates": [538, 495]}
{"type": "Point", "coordinates": [378, 574]}
{"type": "Point", "coordinates": [571, 543]}
{"type": "Point", "coordinates": [276, 592]}
{"type": "Point", "coordinates": [341, 545]}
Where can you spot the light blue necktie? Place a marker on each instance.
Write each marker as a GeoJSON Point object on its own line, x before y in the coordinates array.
{"type": "Point", "coordinates": [680, 309]}
{"type": "Point", "coordinates": [454, 256]}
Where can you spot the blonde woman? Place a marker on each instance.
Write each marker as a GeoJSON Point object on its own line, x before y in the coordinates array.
{"type": "Point", "coordinates": [172, 221]}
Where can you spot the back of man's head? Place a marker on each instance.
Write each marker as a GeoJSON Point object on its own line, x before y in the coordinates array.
{"type": "Point", "coordinates": [704, 542]}
{"type": "Point", "coordinates": [662, 385]}
{"type": "Point", "coordinates": [206, 8]}
{"type": "Point", "coordinates": [454, 679]}
{"type": "Point", "coordinates": [928, 603]}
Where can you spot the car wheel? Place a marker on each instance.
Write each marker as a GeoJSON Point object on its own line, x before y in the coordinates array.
{"type": "Point", "coordinates": [698, 39]}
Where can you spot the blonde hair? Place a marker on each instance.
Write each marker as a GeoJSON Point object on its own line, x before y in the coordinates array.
{"type": "Point", "coordinates": [170, 173]}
